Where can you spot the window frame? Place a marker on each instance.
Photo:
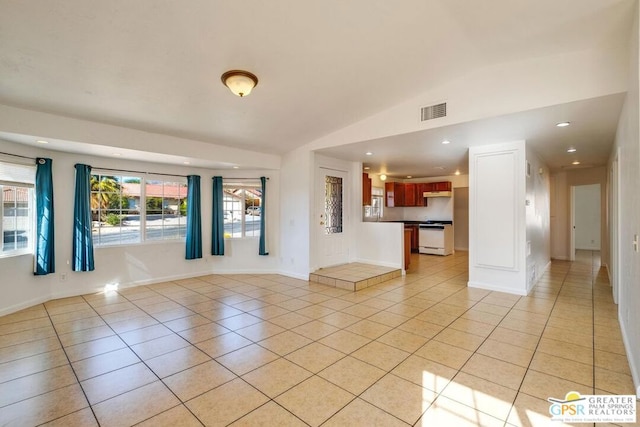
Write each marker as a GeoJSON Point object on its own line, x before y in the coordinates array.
{"type": "Point", "coordinates": [244, 186]}
{"type": "Point", "coordinates": [27, 183]}
{"type": "Point", "coordinates": [141, 209]}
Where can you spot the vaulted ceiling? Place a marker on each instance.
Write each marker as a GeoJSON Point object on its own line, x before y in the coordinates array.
{"type": "Point", "coordinates": [155, 65]}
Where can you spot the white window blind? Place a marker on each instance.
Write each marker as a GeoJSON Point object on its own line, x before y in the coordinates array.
{"type": "Point", "coordinates": [12, 173]}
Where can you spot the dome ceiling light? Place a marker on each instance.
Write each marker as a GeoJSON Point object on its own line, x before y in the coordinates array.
{"type": "Point", "coordinates": [239, 82]}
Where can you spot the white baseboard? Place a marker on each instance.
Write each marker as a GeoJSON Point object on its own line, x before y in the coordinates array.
{"type": "Point", "coordinates": [561, 258]}
{"type": "Point", "coordinates": [24, 304]}
{"type": "Point", "coordinates": [491, 287]}
{"type": "Point", "coordinates": [77, 292]}
{"type": "Point", "coordinates": [635, 369]}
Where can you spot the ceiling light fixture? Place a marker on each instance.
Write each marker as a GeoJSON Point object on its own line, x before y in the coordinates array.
{"type": "Point", "coordinates": [575, 163]}
{"type": "Point", "coordinates": [42, 141]}
{"type": "Point", "coordinates": [369, 153]}
{"type": "Point", "coordinates": [186, 163]}
{"type": "Point", "coordinates": [236, 167]}
{"type": "Point", "coordinates": [409, 177]}
{"type": "Point", "coordinates": [563, 124]}
{"type": "Point", "coordinates": [457, 172]}
{"type": "Point", "coordinates": [367, 168]}
{"type": "Point", "coordinates": [571, 150]}
{"type": "Point", "coordinates": [383, 177]}
{"type": "Point", "coordinates": [239, 82]}
{"type": "Point", "coordinates": [446, 141]}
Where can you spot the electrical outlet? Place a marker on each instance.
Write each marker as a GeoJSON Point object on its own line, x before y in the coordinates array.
{"type": "Point", "coordinates": [63, 277]}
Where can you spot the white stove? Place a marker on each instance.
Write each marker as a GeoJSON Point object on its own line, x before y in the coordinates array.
{"type": "Point", "coordinates": [435, 238]}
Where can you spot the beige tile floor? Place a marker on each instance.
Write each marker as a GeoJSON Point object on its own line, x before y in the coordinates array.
{"type": "Point", "coordinates": [269, 350]}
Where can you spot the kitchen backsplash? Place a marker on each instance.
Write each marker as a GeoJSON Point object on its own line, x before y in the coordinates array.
{"type": "Point", "coordinates": [439, 208]}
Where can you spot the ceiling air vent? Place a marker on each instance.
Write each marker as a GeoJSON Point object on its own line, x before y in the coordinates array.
{"type": "Point", "coordinates": [434, 111]}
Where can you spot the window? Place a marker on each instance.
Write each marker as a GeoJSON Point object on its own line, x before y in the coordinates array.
{"type": "Point", "coordinates": [375, 210]}
{"type": "Point", "coordinates": [133, 209]}
{"type": "Point", "coordinates": [242, 210]}
{"type": "Point", "coordinates": [18, 206]}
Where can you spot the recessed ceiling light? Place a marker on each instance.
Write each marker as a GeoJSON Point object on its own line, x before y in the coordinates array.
{"type": "Point", "coordinates": [571, 150]}
{"type": "Point", "coordinates": [563, 124]}
{"type": "Point", "coordinates": [446, 141]}
{"type": "Point", "coordinates": [367, 168]}
{"type": "Point", "coordinates": [383, 177]}
{"type": "Point", "coordinates": [575, 163]}
{"type": "Point", "coordinates": [457, 172]}
{"type": "Point", "coordinates": [41, 141]}
{"type": "Point", "coordinates": [369, 153]}
{"type": "Point", "coordinates": [186, 163]}
{"type": "Point", "coordinates": [409, 176]}
{"type": "Point", "coordinates": [236, 167]}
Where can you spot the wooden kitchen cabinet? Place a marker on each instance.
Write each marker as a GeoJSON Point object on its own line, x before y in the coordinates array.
{"type": "Point", "coordinates": [442, 186]}
{"type": "Point", "coordinates": [366, 190]}
{"type": "Point", "coordinates": [394, 194]}
{"type": "Point", "coordinates": [414, 237]}
{"type": "Point", "coordinates": [410, 191]}
{"type": "Point", "coordinates": [422, 187]}
{"type": "Point", "coordinates": [407, 248]}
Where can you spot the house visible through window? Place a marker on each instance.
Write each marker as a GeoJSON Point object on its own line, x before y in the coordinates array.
{"type": "Point", "coordinates": [130, 209]}
{"type": "Point", "coordinates": [18, 205]}
{"type": "Point", "coordinates": [242, 210]}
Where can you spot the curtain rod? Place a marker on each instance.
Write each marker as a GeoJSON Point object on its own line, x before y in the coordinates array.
{"type": "Point", "coordinates": [18, 155]}
{"type": "Point", "coordinates": [140, 172]}
{"type": "Point", "coordinates": [235, 177]}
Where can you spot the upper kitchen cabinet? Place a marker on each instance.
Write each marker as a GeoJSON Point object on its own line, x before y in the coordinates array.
{"type": "Point", "coordinates": [422, 187]}
{"type": "Point", "coordinates": [410, 194]}
{"type": "Point", "coordinates": [366, 190]}
{"type": "Point", "coordinates": [394, 194]}
{"type": "Point", "coordinates": [441, 186]}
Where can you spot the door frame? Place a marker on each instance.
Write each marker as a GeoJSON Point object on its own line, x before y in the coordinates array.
{"type": "Point", "coordinates": [318, 230]}
{"type": "Point", "coordinates": [614, 228]}
{"type": "Point", "coordinates": [572, 225]}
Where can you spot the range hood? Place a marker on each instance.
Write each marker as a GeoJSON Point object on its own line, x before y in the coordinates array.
{"type": "Point", "coordinates": [436, 194]}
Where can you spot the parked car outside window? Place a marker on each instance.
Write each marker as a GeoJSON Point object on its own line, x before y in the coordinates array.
{"type": "Point", "coordinates": [254, 210]}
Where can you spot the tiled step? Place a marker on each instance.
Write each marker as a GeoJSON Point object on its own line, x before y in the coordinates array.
{"type": "Point", "coordinates": [354, 276]}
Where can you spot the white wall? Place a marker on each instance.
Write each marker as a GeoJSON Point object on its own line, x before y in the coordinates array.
{"type": "Point", "coordinates": [497, 90]}
{"type": "Point", "coordinates": [380, 243]}
{"type": "Point", "coordinates": [587, 216]}
{"type": "Point", "coordinates": [627, 144]}
{"type": "Point", "coordinates": [109, 138]}
{"type": "Point", "coordinates": [497, 223]}
{"type": "Point", "coordinates": [297, 190]}
{"type": "Point", "coordinates": [133, 264]}
{"type": "Point", "coordinates": [537, 208]}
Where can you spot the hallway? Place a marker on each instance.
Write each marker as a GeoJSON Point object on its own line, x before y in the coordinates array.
{"type": "Point", "coordinates": [420, 350]}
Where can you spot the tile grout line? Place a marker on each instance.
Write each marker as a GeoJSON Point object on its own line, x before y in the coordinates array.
{"type": "Point", "coordinates": [72, 369]}
{"type": "Point", "coordinates": [528, 368]}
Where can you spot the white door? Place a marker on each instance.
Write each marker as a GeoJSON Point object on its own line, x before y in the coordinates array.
{"type": "Point", "coordinates": [330, 218]}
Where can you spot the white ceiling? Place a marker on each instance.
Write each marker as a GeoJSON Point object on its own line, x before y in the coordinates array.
{"type": "Point", "coordinates": [155, 65]}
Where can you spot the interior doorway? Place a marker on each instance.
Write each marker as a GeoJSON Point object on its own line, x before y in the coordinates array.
{"type": "Point", "coordinates": [461, 218]}
{"type": "Point", "coordinates": [585, 218]}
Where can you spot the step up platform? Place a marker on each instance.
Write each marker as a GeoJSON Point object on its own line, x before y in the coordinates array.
{"type": "Point", "coordinates": [354, 276]}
